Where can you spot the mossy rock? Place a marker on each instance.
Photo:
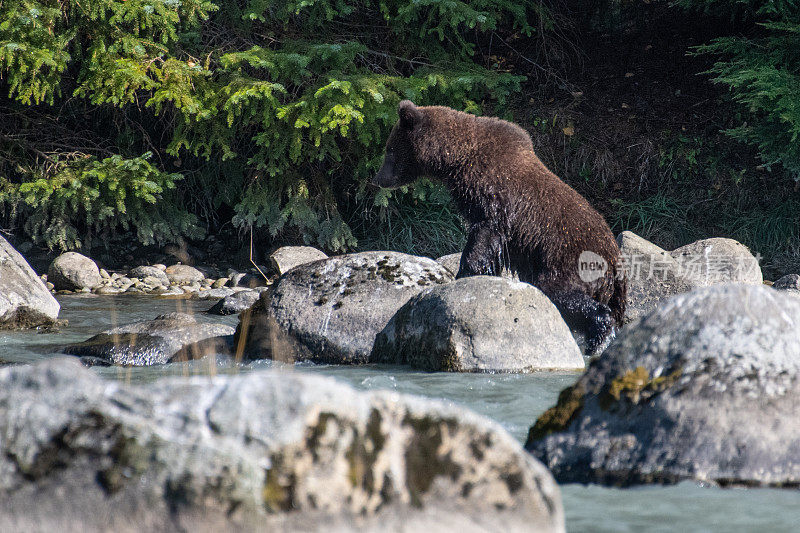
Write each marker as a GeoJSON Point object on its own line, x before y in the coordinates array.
{"type": "Point", "coordinates": [703, 388]}
{"type": "Point", "coordinates": [265, 451]}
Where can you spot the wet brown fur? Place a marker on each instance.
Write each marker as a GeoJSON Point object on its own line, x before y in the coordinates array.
{"type": "Point", "coordinates": [536, 224]}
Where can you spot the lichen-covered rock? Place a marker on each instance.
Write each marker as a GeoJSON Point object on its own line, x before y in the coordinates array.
{"type": "Point", "coordinates": [72, 271]}
{"type": "Point", "coordinates": [479, 324]}
{"type": "Point", "coordinates": [267, 451]}
{"type": "Point", "coordinates": [169, 337]}
{"type": "Point", "coordinates": [286, 258]}
{"type": "Point", "coordinates": [144, 272]}
{"type": "Point", "coordinates": [703, 388]}
{"type": "Point", "coordinates": [25, 301]}
{"type": "Point", "coordinates": [184, 274]}
{"type": "Point", "coordinates": [235, 303]}
{"type": "Point", "coordinates": [789, 283]}
{"type": "Point", "coordinates": [655, 274]}
{"type": "Point", "coordinates": [331, 310]}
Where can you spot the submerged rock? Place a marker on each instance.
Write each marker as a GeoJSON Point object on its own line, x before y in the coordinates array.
{"type": "Point", "coordinates": [789, 283]}
{"type": "Point", "coordinates": [286, 258]}
{"type": "Point", "coordinates": [331, 310]}
{"type": "Point", "coordinates": [72, 271]}
{"type": "Point", "coordinates": [479, 324]}
{"type": "Point", "coordinates": [25, 301]}
{"type": "Point", "coordinates": [655, 274]}
{"type": "Point", "coordinates": [267, 451]}
{"type": "Point", "coordinates": [235, 303]}
{"type": "Point", "coordinates": [169, 337]}
{"type": "Point", "coordinates": [703, 388]}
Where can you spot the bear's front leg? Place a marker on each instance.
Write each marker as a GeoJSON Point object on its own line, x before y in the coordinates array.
{"type": "Point", "coordinates": [580, 310]}
{"type": "Point", "coordinates": [483, 254]}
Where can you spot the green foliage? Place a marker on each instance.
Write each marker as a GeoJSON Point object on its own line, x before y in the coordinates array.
{"type": "Point", "coordinates": [771, 231]}
{"type": "Point", "coordinates": [650, 217]}
{"type": "Point", "coordinates": [704, 191]}
{"type": "Point", "coordinates": [32, 53]}
{"type": "Point", "coordinates": [277, 110]}
{"type": "Point", "coordinates": [421, 221]}
{"type": "Point", "coordinates": [90, 197]}
{"type": "Point", "coordinates": [763, 74]}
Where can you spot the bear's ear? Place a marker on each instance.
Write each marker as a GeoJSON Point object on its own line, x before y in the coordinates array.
{"type": "Point", "coordinates": [410, 115]}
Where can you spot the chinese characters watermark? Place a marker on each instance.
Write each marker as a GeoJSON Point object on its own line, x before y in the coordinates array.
{"type": "Point", "coordinates": [662, 267]}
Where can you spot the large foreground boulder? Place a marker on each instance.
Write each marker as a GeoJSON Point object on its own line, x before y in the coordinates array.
{"type": "Point", "coordinates": [331, 310]}
{"type": "Point", "coordinates": [25, 302]}
{"type": "Point", "coordinates": [72, 271]}
{"type": "Point", "coordinates": [704, 388]}
{"type": "Point", "coordinates": [169, 337]}
{"type": "Point", "coordinates": [268, 451]}
{"type": "Point", "coordinates": [479, 324]}
{"type": "Point", "coordinates": [655, 274]}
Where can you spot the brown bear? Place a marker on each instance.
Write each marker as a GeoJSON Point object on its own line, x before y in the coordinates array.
{"type": "Point", "coordinates": [521, 216]}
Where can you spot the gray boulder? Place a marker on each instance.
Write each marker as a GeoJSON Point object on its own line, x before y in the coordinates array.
{"type": "Point", "coordinates": [235, 303]}
{"type": "Point", "coordinates": [789, 283]}
{"type": "Point", "coordinates": [286, 258]}
{"type": "Point", "coordinates": [703, 388]}
{"type": "Point", "coordinates": [655, 274]}
{"type": "Point", "coordinates": [72, 271]}
{"type": "Point", "coordinates": [25, 301]}
{"type": "Point", "coordinates": [169, 337]}
{"type": "Point", "coordinates": [145, 272]}
{"type": "Point", "coordinates": [331, 310]}
{"type": "Point", "coordinates": [713, 261]}
{"type": "Point", "coordinates": [451, 262]}
{"type": "Point", "coordinates": [214, 294]}
{"type": "Point", "coordinates": [267, 451]}
{"type": "Point", "coordinates": [479, 324]}
{"type": "Point", "coordinates": [249, 280]}
{"type": "Point", "coordinates": [184, 274]}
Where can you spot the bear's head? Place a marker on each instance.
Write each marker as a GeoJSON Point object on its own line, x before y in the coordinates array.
{"type": "Point", "coordinates": [400, 163]}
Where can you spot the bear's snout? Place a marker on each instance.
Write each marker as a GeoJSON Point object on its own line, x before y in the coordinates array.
{"type": "Point", "coordinates": [385, 177]}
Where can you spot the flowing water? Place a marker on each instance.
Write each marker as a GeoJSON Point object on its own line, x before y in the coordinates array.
{"type": "Point", "coordinates": [514, 400]}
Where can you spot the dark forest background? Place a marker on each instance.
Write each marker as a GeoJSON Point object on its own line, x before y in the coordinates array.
{"type": "Point", "coordinates": [160, 122]}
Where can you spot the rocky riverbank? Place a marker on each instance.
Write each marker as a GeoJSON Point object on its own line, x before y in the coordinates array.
{"type": "Point", "coordinates": [378, 307]}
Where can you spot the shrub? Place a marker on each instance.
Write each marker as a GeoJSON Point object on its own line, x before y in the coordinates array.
{"type": "Point", "coordinates": [91, 197]}
{"type": "Point", "coordinates": [763, 74]}
{"type": "Point", "coordinates": [276, 111]}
